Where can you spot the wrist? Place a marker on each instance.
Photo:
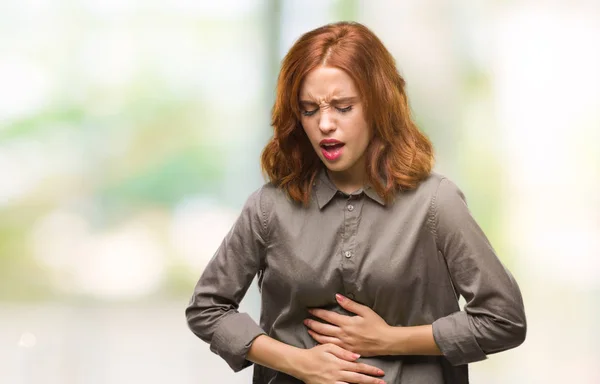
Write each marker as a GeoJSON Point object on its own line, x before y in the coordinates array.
{"type": "Point", "coordinates": [412, 340]}
{"type": "Point", "coordinates": [394, 342]}
{"type": "Point", "coordinates": [277, 355]}
{"type": "Point", "coordinates": [294, 363]}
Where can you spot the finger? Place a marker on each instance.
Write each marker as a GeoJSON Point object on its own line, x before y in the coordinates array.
{"type": "Point", "coordinates": [363, 368]}
{"type": "Point", "coordinates": [329, 316]}
{"type": "Point", "coordinates": [326, 339]}
{"type": "Point", "coordinates": [351, 305]}
{"type": "Point", "coordinates": [322, 328]}
{"type": "Point", "coordinates": [359, 378]}
{"type": "Point", "coordinates": [341, 353]}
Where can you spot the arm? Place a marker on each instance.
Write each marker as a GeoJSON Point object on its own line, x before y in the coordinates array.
{"type": "Point", "coordinates": [274, 354]}
{"type": "Point", "coordinates": [321, 364]}
{"type": "Point", "coordinates": [368, 334]}
{"type": "Point", "coordinates": [493, 319]}
{"type": "Point", "coordinates": [212, 313]}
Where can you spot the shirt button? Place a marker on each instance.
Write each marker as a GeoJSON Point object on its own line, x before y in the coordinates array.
{"type": "Point", "coordinates": [348, 254]}
{"type": "Point", "coordinates": [351, 207]}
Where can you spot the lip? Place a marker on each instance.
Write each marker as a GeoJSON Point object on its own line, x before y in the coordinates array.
{"type": "Point", "coordinates": [330, 141]}
{"type": "Point", "coordinates": [332, 155]}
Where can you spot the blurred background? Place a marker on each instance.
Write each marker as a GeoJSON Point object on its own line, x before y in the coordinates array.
{"type": "Point", "coordinates": [130, 135]}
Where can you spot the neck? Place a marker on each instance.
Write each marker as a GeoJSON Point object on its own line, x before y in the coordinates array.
{"type": "Point", "coordinates": [350, 180]}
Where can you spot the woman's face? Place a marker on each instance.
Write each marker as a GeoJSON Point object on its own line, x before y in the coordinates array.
{"type": "Point", "coordinates": [334, 120]}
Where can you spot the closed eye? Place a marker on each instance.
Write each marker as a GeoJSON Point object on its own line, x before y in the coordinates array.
{"type": "Point", "coordinates": [342, 110]}
{"type": "Point", "coordinates": [310, 113]}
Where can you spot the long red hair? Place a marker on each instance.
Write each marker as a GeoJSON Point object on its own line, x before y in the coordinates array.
{"type": "Point", "coordinates": [398, 157]}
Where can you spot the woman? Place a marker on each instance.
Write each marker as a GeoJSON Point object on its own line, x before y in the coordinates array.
{"type": "Point", "coordinates": [360, 250]}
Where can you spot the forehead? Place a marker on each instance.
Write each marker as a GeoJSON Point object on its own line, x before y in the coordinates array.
{"type": "Point", "coordinates": [323, 83]}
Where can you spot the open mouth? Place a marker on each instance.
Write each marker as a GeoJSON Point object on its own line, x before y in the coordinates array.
{"type": "Point", "coordinates": [332, 151]}
{"type": "Point", "coordinates": [332, 147]}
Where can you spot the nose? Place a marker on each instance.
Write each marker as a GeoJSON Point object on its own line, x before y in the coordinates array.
{"type": "Point", "coordinates": [326, 121]}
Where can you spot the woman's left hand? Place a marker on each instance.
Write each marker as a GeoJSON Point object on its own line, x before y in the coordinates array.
{"type": "Point", "coordinates": [364, 333]}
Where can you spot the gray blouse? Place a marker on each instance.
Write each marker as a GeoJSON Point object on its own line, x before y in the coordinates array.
{"type": "Point", "coordinates": [409, 261]}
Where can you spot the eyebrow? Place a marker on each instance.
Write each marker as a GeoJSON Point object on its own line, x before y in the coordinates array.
{"type": "Point", "coordinates": [334, 100]}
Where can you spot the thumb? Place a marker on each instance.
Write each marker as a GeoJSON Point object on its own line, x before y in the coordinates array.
{"type": "Point", "coordinates": [350, 305]}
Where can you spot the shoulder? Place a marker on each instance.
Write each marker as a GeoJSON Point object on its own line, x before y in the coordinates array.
{"type": "Point", "coordinates": [271, 196]}
{"type": "Point", "coordinates": [265, 201]}
{"type": "Point", "coordinates": [441, 201]}
{"type": "Point", "coordinates": [259, 198]}
{"type": "Point", "coordinates": [440, 189]}
{"type": "Point", "coordinates": [435, 187]}
{"type": "Point", "coordinates": [448, 210]}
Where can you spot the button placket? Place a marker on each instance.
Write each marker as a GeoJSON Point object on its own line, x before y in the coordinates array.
{"type": "Point", "coordinates": [352, 208]}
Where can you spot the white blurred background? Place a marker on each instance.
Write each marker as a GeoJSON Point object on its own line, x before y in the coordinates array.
{"type": "Point", "coordinates": [130, 135]}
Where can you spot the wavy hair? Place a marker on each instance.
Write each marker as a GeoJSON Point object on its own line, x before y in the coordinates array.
{"type": "Point", "coordinates": [398, 156]}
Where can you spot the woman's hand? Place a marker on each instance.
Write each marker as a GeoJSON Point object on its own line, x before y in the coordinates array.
{"type": "Point", "coordinates": [365, 334]}
{"type": "Point", "coordinates": [330, 364]}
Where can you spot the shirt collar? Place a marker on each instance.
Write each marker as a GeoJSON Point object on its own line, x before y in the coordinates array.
{"type": "Point", "coordinates": [369, 191]}
{"type": "Point", "coordinates": [325, 190]}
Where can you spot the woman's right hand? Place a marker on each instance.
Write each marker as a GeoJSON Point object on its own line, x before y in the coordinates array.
{"type": "Point", "coordinates": [331, 364]}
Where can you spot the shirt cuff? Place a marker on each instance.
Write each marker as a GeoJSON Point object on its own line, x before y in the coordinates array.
{"type": "Point", "coordinates": [233, 337]}
{"type": "Point", "coordinates": [456, 341]}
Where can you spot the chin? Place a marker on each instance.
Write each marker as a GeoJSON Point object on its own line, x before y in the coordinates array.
{"type": "Point", "coordinates": [335, 167]}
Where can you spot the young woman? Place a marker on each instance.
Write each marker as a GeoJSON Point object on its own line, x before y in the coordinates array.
{"type": "Point", "coordinates": [360, 250]}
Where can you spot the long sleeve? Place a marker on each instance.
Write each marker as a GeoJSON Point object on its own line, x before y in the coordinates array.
{"type": "Point", "coordinates": [213, 310]}
{"type": "Point", "coordinates": [493, 319]}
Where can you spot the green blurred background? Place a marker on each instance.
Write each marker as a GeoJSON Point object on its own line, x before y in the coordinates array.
{"type": "Point", "coordinates": [130, 135]}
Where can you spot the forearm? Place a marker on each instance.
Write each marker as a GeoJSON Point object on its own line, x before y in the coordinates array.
{"type": "Point", "coordinates": [274, 354]}
{"type": "Point", "coordinates": [416, 340]}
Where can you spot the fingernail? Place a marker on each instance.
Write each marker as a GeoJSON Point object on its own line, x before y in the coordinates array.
{"type": "Point", "coordinates": [339, 297]}
{"type": "Point", "coordinates": [356, 355]}
{"type": "Point", "coordinates": [380, 372]}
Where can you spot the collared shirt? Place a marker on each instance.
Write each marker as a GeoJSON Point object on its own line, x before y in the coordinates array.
{"type": "Point", "coordinates": [408, 261]}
